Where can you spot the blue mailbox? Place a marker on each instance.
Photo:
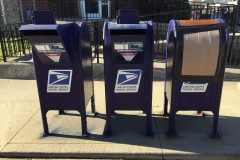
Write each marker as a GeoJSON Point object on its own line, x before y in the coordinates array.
{"type": "Point", "coordinates": [195, 65]}
{"type": "Point", "coordinates": [128, 66]}
{"type": "Point", "coordinates": [63, 66]}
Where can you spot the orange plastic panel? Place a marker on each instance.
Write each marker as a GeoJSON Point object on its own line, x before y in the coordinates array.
{"type": "Point", "coordinates": [197, 22]}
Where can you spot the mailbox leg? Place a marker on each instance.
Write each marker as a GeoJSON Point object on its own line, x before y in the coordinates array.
{"type": "Point", "coordinates": [165, 109]}
{"type": "Point", "coordinates": [61, 112]}
{"type": "Point", "coordinates": [215, 126]}
{"type": "Point", "coordinates": [84, 124]}
{"type": "Point", "coordinates": [108, 131]}
{"type": "Point", "coordinates": [93, 104]}
{"type": "Point", "coordinates": [45, 124]}
{"type": "Point", "coordinates": [171, 127]}
{"type": "Point", "coordinates": [149, 131]}
{"type": "Point", "coordinates": [199, 112]}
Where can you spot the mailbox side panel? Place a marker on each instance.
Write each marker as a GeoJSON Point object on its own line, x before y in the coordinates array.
{"type": "Point", "coordinates": [86, 60]}
{"type": "Point", "coordinates": [170, 59]}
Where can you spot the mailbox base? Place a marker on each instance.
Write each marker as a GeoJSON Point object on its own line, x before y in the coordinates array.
{"type": "Point", "coordinates": [171, 129]}
{"type": "Point", "coordinates": [215, 136]}
{"type": "Point", "coordinates": [108, 128]}
{"type": "Point", "coordinates": [93, 105]}
{"type": "Point", "coordinates": [61, 112]}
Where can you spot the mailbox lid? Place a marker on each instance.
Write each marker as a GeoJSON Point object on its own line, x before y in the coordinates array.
{"type": "Point", "coordinates": [37, 30]}
{"type": "Point", "coordinates": [128, 42]}
{"type": "Point", "coordinates": [52, 43]}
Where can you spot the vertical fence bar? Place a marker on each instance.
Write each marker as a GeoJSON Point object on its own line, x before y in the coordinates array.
{"type": "Point", "coordinates": [230, 54]}
{"type": "Point", "coordinates": [158, 38]}
{"type": "Point", "coordinates": [96, 39]}
{"type": "Point", "coordinates": [2, 46]}
{"type": "Point", "coordinates": [6, 39]}
{"type": "Point", "coordinates": [22, 43]}
{"type": "Point", "coordinates": [13, 40]}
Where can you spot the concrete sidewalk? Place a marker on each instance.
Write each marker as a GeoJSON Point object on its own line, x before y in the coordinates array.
{"type": "Point", "coordinates": [21, 134]}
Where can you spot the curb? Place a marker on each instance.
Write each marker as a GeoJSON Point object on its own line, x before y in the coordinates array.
{"type": "Point", "coordinates": [17, 70]}
{"type": "Point", "coordinates": [81, 155]}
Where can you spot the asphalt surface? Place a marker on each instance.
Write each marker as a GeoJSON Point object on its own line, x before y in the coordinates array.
{"type": "Point", "coordinates": [21, 133]}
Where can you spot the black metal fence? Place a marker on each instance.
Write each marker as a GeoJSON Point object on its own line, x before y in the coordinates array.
{"type": "Point", "coordinates": [96, 32]}
{"type": "Point", "coordinates": [234, 50]}
{"type": "Point", "coordinates": [229, 13]}
{"type": "Point", "coordinates": [164, 10]}
{"type": "Point", "coordinates": [95, 12]}
{"type": "Point", "coordinates": [12, 42]}
{"type": "Point", "coordinates": [75, 10]}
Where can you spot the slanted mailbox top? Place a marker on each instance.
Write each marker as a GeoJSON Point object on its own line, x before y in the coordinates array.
{"type": "Point", "coordinates": [112, 26]}
{"type": "Point", "coordinates": [197, 22]}
{"type": "Point", "coordinates": [56, 42]}
{"type": "Point", "coordinates": [39, 27]}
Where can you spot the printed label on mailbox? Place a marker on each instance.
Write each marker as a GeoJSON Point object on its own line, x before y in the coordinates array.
{"type": "Point", "coordinates": [49, 47]}
{"type": "Point", "coordinates": [128, 81]}
{"type": "Point", "coordinates": [194, 87]}
{"type": "Point", "coordinates": [51, 50]}
{"type": "Point", "coordinates": [128, 49]}
{"type": "Point", "coordinates": [128, 56]}
{"type": "Point", "coordinates": [59, 81]}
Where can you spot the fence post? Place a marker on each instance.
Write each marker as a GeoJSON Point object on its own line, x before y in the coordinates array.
{"type": "Point", "coordinates": [2, 46]}
{"type": "Point", "coordinates": [22, 42]}
{"type": "Point", "coordinates": [229, 59]}
{"type": "Point", "coordinates": [96, 37]}
{"type": "Point", "coordinates": [207, 10]}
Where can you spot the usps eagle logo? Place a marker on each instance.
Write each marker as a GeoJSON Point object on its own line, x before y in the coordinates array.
{"type": "Point", "coordinates": [128, 81]}
{"type": "Point", "coordinates": [59, 81]}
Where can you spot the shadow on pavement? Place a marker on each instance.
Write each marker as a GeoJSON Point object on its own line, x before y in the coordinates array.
{"type": "Point", "coordinates": [192, 131]}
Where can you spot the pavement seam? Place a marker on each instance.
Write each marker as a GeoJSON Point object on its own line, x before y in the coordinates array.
{"type": "Point", "coordinates": [19, 101]}
{"type": "Point", "coordinates": [18, 131]}
{"type": "Point", "coordinates": [159, 139]}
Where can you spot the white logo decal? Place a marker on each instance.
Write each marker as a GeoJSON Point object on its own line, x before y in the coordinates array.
{"type": "Point", "coordinates": [128, 81]}
{"type": "Point", "coordinates": [194, 87]}
{"type": "Point", "coordinates": [59, 81]}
